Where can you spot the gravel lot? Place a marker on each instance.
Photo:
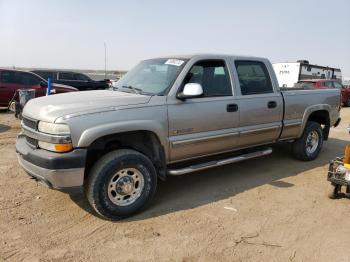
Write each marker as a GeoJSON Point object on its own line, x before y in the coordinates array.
{"type": "Point", "coordinates": [269, 209]}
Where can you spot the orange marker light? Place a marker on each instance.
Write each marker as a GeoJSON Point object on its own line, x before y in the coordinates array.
{"type": "Point", "coordinates": [63, 147]}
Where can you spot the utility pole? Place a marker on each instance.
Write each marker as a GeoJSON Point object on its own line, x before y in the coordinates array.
{"type": "Point", "coordinates": [104, 43]}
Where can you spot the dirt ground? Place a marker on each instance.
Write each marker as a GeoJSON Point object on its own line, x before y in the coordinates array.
{"type": "Point", "coordinates": [269, 209]}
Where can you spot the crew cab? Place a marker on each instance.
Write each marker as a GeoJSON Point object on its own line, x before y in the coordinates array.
{"type": "Point", "coordinates": [168, 116]}
{"type": "Point", "coordinates": [12, 80]}
{"type": "Point", "coordinates": [77, 80]}
{"type": "Point", "coordinates": [326, 83]}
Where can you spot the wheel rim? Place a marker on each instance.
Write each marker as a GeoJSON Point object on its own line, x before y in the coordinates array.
{"type": "Point", "coordinates": [125, 186]}
{"type": "Point", "coordinates": [312, 142]}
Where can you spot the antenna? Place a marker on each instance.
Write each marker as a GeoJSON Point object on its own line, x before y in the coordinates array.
{"type": "Point", "coordinates": [104, 43]}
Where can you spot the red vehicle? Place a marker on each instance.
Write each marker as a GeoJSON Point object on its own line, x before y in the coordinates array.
{"type": "Point", "coordinates": [12, 80]}
{"type": "Point", "coordinates": [324, 83]}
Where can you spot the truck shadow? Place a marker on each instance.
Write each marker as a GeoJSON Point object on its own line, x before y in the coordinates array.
{"type": "Point", "coordinates": [204, 187]}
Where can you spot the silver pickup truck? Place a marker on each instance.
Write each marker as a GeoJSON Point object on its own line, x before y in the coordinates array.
{"type": "Point", "coordinates": [168, 116]}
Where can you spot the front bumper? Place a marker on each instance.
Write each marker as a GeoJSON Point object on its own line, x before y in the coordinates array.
{"type": "Point", "coordinates": [62, 171]}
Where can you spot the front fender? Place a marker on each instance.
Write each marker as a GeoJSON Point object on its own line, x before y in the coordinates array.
{"type": "Point", "coordinates": [93, 133]}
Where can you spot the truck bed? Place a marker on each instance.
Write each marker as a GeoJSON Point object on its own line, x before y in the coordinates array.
{"type": "Point", "coordinates": [300, 103]}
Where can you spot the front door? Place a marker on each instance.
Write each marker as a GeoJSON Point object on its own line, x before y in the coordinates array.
{"type": "Point", "coordinates": [206, 125]}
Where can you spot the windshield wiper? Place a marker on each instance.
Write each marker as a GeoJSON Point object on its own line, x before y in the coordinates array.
{"type": "Point", "coordinates": [135, 89]}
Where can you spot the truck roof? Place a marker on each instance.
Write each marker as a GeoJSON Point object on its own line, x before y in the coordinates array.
{"type": "Point", "coordinates": [214, 56]}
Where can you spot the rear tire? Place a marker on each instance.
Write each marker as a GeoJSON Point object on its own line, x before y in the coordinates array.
{"type": "Point", "coordinates": [121, 184]}
{"type": "Point", "coordinates": [309, 145]}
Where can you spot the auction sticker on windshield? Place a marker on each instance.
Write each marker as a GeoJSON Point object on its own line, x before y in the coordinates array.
{"type": "Point", "coordinates": [175, 62]}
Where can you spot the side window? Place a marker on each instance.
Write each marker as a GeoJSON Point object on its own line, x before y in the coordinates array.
{"type": "Point", "coordinates": [67, 76]}
{"type": "Point", "coordinates": [81, 77]}
{"type": "Point", "coordinates": [8, 77]}
{"type": "Point", "coordinates": [212, 75]}
{"type": "Point", "coordinates": [328, 84]}
{"type": "Point", "coordinates": [253, 77]}
{"type": "Point", "coordinates": [28, 79]}
{"type": "Point", "coordinates": [337, 85]}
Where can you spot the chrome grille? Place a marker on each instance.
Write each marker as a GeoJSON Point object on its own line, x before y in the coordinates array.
{"type": "Point", "coordinates": [30, 123]}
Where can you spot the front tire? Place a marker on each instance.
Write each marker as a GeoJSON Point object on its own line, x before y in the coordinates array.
{"type": "Point", "coordinates": [309, 145]}
{"type": "Point", "coordinates": [121, 184]}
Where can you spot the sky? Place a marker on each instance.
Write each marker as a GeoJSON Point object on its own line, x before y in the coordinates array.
{"type": "Point", "coordinates": [71, 34]}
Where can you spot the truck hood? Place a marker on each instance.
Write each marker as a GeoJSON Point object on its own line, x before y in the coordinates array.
{"type": "Point", "coordinates": [49, 108]}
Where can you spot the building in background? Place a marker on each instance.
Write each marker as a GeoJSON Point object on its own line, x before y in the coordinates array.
{"type": "Point", "coordinates": [290, 73]}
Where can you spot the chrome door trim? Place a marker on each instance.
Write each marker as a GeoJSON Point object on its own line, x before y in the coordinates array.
{"type": "Point", "coordinates": [260, 129]}
{"type": "Point", "coordinates": [289, 124]}
{"type": "Point", "coordinates": [202, 139]}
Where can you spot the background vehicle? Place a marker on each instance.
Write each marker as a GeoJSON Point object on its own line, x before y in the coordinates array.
{"type": "Point", "coordinates": [168, 116]}
{"type": "Point", "coordinates": [322, 84]}
{"type": "Point", "coordinates": [12, 80]}
{"type": "Point", "coordinates": [77, 80]}
{"type": "Point", "coordinates": [290, 73]}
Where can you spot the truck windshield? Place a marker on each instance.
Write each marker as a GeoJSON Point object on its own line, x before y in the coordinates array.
{"type": "Point", "coordinates": [153, 77]}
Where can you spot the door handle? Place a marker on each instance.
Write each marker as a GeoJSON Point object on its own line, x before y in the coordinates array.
{"type": "Point", "coordinates": [232, 108]}
{"type": "Point", "coordinates": [272, 104]}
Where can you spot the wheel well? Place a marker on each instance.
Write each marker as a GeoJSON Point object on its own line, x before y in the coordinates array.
{"type": "Point", "coordinates": [321, 117]}
{"type": "Point", "coordinates": [145, 142]}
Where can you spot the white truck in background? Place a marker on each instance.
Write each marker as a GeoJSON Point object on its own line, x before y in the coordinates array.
{"type": "Point", "coordinates": [289, 73]}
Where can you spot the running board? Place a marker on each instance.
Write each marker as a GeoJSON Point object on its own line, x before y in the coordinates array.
{"type": "Point", "coordinates": [215, 163]}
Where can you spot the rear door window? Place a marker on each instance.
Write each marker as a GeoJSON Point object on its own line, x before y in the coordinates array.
{"type": "Point", "coordinates": [8, 77]}
{"type": "Point", "coordinates": [67, 76]}
{"type": "Point", "coordinates": [253, 78]}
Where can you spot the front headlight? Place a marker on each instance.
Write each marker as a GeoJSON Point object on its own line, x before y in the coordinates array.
{"type": "Point", "coordinates": [54, 129]}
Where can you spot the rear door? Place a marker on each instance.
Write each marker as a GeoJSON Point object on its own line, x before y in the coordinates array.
{"type": "Point", "coordinates": [261, 107]}
{"type": "Point", "coordinates": [205, 125]}
{"type": "Point", "coordinates": [8, 86]}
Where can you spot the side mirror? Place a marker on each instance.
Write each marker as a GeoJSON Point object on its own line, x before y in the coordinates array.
{"type": "Point", "coordinates": [43, 84]}
{"type": "Point", "coordinates": [191, 90]}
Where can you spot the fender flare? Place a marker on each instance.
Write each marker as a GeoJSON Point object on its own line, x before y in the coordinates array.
{"type": "Point", "coordinates": [308, 111]}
